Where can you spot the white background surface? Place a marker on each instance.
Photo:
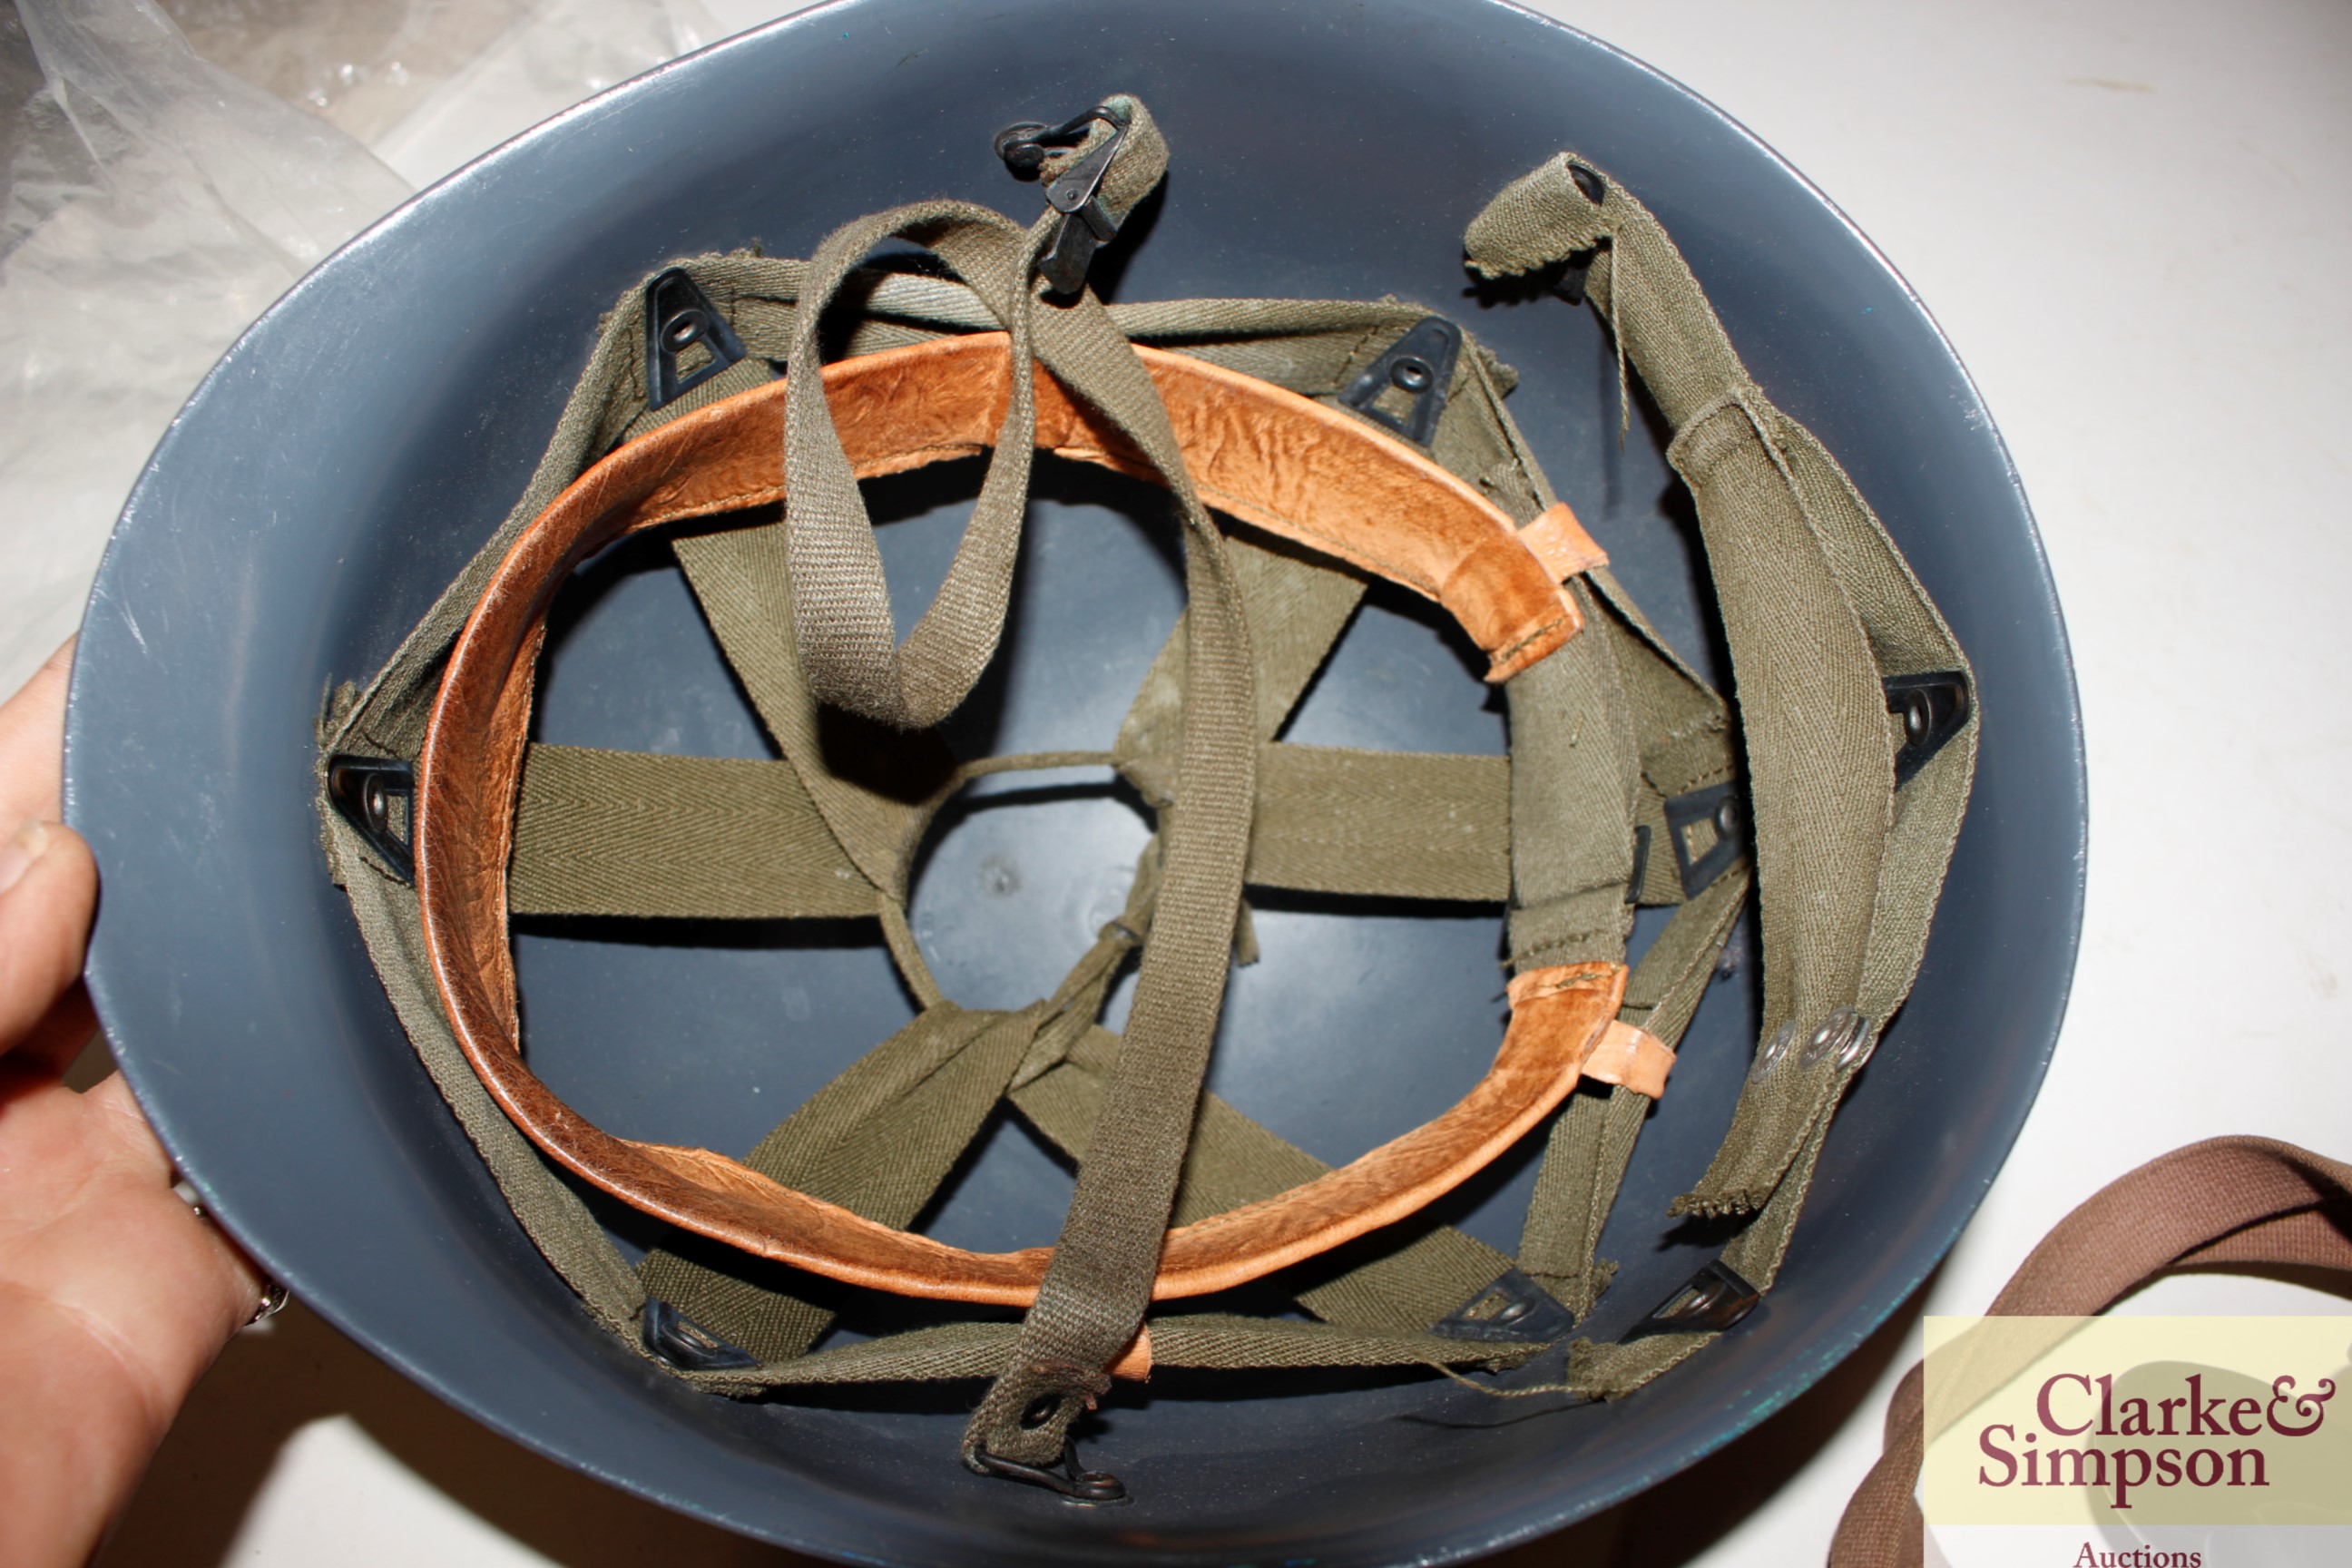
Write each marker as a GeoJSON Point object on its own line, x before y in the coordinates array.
{"type": "Point", "coordinates": [2132, 218]}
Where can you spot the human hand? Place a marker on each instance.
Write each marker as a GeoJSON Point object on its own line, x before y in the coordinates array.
{"type": "Point", "coordinates": [114, 1295]}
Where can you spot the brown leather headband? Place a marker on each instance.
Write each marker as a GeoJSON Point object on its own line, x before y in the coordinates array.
{"type": "Point", "coordinates": [1262, 454]}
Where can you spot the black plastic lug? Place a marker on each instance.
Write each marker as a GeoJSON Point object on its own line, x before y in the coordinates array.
{"type": "Point", "coordinates": [363, 791]}
{"type": "Point", "coordinates": [1419, 365]}
{"type": "Point", "coordinates": [1641, 863]}
{"type": "Point", "coordinates": [1933, 707]}
{"type": "Point", "coordinates": [1082, 224]}
{"type": "Point", "coordinates": [1713, 818]}
{"type": "Point", "coordinates": [1088, 1488]}
{"type": "Point", "coordinates": [680, 317]}
{"type": "Point", "coordinates": [1708, 1302]}
{"type": "Point", "coordinates": [1573, 274]}
{"type": "Point", "coordinates": [1514, 1309]}
{"type": "Point", "coordinates": [686, 1344]}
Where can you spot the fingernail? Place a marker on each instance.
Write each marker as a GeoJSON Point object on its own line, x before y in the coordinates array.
{"type": "Point", "coordinates": [26, 844]}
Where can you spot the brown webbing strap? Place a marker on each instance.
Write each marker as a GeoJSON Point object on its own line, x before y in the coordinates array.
{"type": "Point", "coordinates": [2228, 1203]}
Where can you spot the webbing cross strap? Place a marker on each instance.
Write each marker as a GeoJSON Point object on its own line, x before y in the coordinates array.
{"type": "Point", "coordinates": [1345, 442]}
{"type": "Point", "coordinates": [1820, 611]}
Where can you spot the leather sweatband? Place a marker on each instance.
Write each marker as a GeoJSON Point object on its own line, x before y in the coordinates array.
{"type": "Point", "coordinates": [1262, 454]}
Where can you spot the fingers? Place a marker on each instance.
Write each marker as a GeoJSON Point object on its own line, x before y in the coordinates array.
{"type": "Point", "coordinates": [194, 1287]}
{"type": "Point", "coordinates": [48, 890]}
{"type": "Point", "coordinates": [33, 744]}
{"type": "Point", "coordinates": [114, 1297]}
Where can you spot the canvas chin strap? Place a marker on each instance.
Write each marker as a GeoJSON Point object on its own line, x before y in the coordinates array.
{"type": "Point", "coordinates": [1622, 789]}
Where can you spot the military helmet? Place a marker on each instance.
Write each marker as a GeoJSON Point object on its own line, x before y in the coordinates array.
{"type": "Point", "coordinates": [636, 1155]}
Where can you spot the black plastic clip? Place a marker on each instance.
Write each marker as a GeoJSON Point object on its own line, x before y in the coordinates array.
{"type": "Point", "coordinates": [1708, 1302]}
{"type": "Point", "coordinates": [362, 790]}
{"type": "Point", "coordinates": [679, 318]}
{"type": "Point", "coordinates": [1090, 1489]}
{"type": "Point", "coordinates": [1708, 831]}
{"type": "Point", "coordinates": [1934, 708]}
{"type": "Point", "coordinates": [1084, 224]}
{"type": "Point", "coordinates": [1513, 1310]}
{"type": "Point", "coordinates": [1421, 365]}
{"type": "Point", "coordinates": [686, 1344]}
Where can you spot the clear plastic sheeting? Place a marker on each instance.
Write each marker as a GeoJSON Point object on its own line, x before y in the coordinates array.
{"type": "Point", "coordinates": [429, 84]}
{"type": "Point", "coordinates": [156, 204]}
{"type": "Point", "coordinates": [170, 170]}
{"type": "Point", "coordinates": [363, 65]}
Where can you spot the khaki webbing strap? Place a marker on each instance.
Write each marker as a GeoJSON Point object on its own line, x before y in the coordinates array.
{"type": "Point", "coordinates": [882, 1137]}
{"type": "Point", "coordinates": [1684, 733]}
{"type": "Point", "coordinates": [1092, 1300]}
{"type": "Point", "coordinates": [1815, 601]}
{"type": "Point", "coordinates": [633, 834]}
{"type": "Point", "coordinates": [387, 718]}
{"type": "Point", "coordinates": [878, 1140]}
{"type": "Point", "coordinates": [1593, 1141]}
{"type": "Point", "coordinates": [1404, 825]}
{"type": "Point", "coordinates": [1573, 775]}
{"type": "Point", "coordinates": [870, 782]}
{"type": "Point", "coordinates": [850, 655]}
{"type": "Point", "coordinates": [1206, 1341]}
{"type": "Point", "coordinates": [550, 1212]}
{"type": "Point", "coordinates": [1298, 605]}
{"type": "Point", "coordinates": [1234, 1161]}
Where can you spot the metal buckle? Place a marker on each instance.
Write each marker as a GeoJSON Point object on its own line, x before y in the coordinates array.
{"type": "Point", "coordinates": [1088, 1488]}
{"type": "Point", "coordinates": [1709, 1302]}
{"type": "Point", "coordinates": [1419, 365]}
{"type": "Point", "coordinates": [1075, 193]}
{"type": "Point", "coordinates": [361, 790]}
{"type": "Point", "coordinates": [679, 317]}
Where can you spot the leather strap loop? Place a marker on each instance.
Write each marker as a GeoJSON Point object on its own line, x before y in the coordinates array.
{"type": "Point", "coordinates": [2236, 1203]}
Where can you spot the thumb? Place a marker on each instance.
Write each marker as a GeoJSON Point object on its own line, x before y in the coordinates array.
{"type": "Point", "coordinates": [48, 891]}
